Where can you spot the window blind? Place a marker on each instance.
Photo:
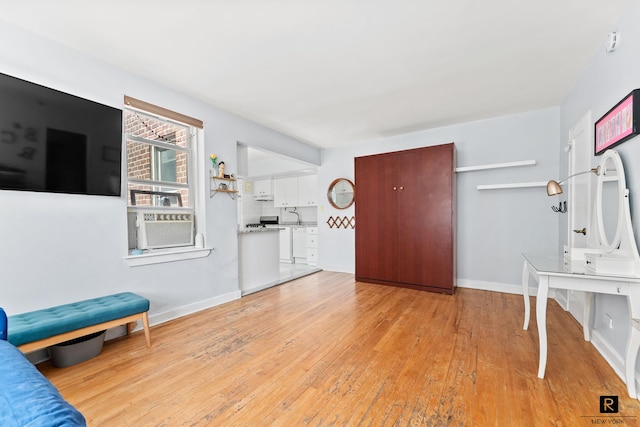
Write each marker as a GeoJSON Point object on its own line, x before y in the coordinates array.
{"type": "Point", "coordinates": [154, 109]}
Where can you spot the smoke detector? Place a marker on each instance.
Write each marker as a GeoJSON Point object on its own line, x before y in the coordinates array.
{"type": "Point", "coordinates": [613, 41]}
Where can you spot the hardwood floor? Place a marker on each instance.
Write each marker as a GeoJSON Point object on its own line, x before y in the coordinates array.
{"type": "Point", "coordinates": [326, 351]}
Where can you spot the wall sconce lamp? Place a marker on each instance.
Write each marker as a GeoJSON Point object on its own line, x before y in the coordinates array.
{"type": "Point", "coordinates": [554, 188]}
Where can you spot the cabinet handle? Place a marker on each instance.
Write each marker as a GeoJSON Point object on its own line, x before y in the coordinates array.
{"type": "Point", "coordinates": [402, 188]}
{"type": "Point", "coordinates": [394, 188]}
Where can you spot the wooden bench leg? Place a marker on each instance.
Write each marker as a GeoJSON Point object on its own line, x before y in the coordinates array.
{"type": "Point", "coordinates": [145, 323]}
{"type": "Point", "coordinates": [147, 332]}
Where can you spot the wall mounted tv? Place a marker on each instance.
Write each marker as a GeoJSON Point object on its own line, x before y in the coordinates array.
{"type": "Point", "coordinates": [56, 142]}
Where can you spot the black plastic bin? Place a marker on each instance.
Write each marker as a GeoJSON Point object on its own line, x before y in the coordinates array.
{"type": "Point", "coordinates": [77, 350]}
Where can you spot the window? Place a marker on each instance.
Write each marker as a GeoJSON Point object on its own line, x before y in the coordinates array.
{"type": "Point", "coordinates": [160, 176]}
{"type": "Point", "coordinates": [165, 165]}
{"type": "Point", "coordinates": [158, 153]}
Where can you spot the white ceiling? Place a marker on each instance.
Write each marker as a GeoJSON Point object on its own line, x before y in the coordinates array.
{"type": "Point", "coordinates": [335, 72]}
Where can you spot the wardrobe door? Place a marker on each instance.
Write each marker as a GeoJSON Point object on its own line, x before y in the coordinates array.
{"type": "Point", "coordinates": [375, 200]}
{"type": "Point", "coordinates": [425, 217]}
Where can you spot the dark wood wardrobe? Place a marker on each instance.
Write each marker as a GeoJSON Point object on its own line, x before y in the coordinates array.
{"type": "Point", "coordinates": [405, 218]}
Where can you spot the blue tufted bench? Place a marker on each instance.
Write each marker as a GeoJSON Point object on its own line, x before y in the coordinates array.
{"type": "Point", "coordinates": [42, 328]}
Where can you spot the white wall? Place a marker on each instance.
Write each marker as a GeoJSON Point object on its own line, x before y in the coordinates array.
{"type": "Point", "coordinates": [57, 248]}
{"type": "Point", "coordinates": [607, 79]}
{"type": "Point", "coordinates": [494, 226]}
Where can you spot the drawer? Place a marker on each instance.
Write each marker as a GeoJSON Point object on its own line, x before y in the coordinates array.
{"type": "Point", "coordinates": [312, 230]}
{"type": "Point", "coordinates": [312, 241]}
{"type": "Point", "coordinates": [312, 255]}
{"type": "Point", "coordinates": [611, 265]}
{"type": "Point", "coordinates": [574, 265]}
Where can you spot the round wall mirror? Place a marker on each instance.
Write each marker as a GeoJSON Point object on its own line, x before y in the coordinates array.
{"type": "Point", "coordinates": [341, 193]}
{"type": "Point", "coordinates": [610, 194]}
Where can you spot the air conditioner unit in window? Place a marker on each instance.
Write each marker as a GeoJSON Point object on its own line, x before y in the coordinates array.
{"type": "Point", "coordinates": [164, 229]}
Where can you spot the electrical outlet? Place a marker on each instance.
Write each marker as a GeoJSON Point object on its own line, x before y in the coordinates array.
{"type": "Point", "coordinates": [609, 321]}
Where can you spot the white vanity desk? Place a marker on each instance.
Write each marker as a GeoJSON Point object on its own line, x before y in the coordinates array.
{"type": "Point", "coordinates": [610, 264]}
{"type": "Point", "coordinates": [550, 272]}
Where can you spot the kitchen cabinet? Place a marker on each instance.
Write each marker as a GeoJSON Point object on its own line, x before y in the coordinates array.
{"type": "Point", "coordinates": [405, 208]}
{"type": "Point", "coordinates": [295, 191]}
{"type": "Point", "coordinates": [299, 244]}
{"type": "Point", "coordinates": [285, 192]}
{"type": "Point", "coordinates": [286, 252]}
{"type": "Point", "coordinates": [307, 190]}
{"type": "Point", "coordinates": [263, 189]}
{"type": "Point", "coordinates": [312, 245]}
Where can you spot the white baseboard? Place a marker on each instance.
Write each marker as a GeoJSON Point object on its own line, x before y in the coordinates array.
{"type": "Point", "coordinates": [335, 269]}
{"type": "Point", "coordinates": [493, 286]}
{"type": "Point", "coordinates": [561, 298]}
{"type": "Point", "coordinates": [506, 288]}
{"type": "Point", "coordinates": [158, 318]}
{"type": "Point", "coordinates": [613, 358]}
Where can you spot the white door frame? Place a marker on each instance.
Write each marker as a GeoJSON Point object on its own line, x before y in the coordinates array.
{"type": "Point", "coordinates": [580, 146]}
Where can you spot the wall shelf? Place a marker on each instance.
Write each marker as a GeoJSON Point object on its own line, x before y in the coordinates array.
{"type": "Point", "coordinates": [496, 166]}
{"type": "Point", "coordinates": [222, 185]}
{"type": "Point", "coordinates": [503, 165]}
{"type": "Point", "coordinates": [512, 185]}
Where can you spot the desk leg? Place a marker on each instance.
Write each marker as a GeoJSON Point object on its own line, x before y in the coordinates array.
{"type": "Point", "coordinates": [525, 293]}
{"type": "Point", "coordinates": [541, 318]}
{"type": "Point", "coordinates": [633, 342]}
{"type": "Point", "coordinates": [633, 345]}
{"type": "Point", "coordinates": [586, 316]}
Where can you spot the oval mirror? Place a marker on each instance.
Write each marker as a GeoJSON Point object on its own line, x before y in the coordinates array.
{"type": "Point", "coordinates": [610, 193]}
{"type": "Point", "coordinates": [341, 193]}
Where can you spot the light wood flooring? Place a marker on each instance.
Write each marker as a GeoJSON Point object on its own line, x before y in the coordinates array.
{"type": "Point", "coordinates": [324, 350]}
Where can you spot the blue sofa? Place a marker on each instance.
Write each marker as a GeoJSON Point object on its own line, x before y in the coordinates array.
{"type": "Point", "coordinates": [27, 398]}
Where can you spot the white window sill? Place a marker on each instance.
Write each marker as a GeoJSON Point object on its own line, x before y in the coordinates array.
{"type": "Point", "coordinates": [159, 256]}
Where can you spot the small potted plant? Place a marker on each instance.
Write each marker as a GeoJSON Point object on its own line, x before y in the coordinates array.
{"type": "Point", "coordinates": [214, 164]}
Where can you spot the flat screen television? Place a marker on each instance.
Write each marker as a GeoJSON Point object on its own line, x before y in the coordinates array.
{"type": "Point", "coordinates": [56, 142]}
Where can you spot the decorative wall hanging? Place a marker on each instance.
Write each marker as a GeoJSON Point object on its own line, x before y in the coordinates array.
{"type": "Point", "coordinates": [342, 222]}
{"type": "Point", "coordinates": [618, 124]}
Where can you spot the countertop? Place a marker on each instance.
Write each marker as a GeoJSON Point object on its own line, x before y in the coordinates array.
{"type": "Point", "coordinates": [276, 227]}
{"type": "Point", "coordinates": [258, 230]}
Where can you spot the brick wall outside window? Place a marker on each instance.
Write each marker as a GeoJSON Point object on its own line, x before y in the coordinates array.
{"type": "Point", "coordinates": [139, 155]}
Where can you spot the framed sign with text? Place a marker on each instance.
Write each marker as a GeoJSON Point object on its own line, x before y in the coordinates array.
{"type": "Point", "coordinates": [618, 124]}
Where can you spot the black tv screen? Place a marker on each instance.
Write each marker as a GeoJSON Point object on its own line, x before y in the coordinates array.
{"type": "Point", "coordinates": [56, 142]}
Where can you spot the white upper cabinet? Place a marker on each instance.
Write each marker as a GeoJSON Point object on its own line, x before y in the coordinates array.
{"type": "Point", "coordinates": [307, 190]}
{"type": "Point", "coordinates": [285, 192]}
{"type": "Point", "coordinates": [295, 191]}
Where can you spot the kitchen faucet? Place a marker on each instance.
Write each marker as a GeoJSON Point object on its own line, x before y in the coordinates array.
{"type": "Point", "coordinates": [299, 222]}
